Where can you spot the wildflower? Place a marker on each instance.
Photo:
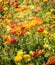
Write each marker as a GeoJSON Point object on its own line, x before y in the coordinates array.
{"type": "Point", "coordinates": [18, 58]}
{"type": "Point", "coordinates": [36, 1]}
{"type": "Point", "coordinates": [31, 6]}
{"type": "Point", "coordinates": [26, 56]}
{"type": "Point", "coordinates": [0, 0]}
{"type": "Point", "coordinates": [53, 18]}
{"type": "Point", "coordinates": [8, 28]}
{"type": "Point", "coordinates": [48, 13]}
{"type": "Point", "coordinates": [22, 27]}
{"type": "Point", "coordinates": [53, 35]}
{"type": "Point", "coordinates": [29, 64]}
{"type": "Point", "coordinates": [41, 52]}
{"type": "Point", "coordinates": [13, 40]}
{"type": "Point", "coordinates": [6, 2]}
{"type": "Point", "coordinates": [45, 0]}
{"type": "Point", "coordinates": [20, 53]}
{"type": "Point", "coordinates": [21, 34]}
{"type": "Point", "coordinates": [7, 38]}
{"type": "Point", "coordinates": [51, 61]}
{"type": "Point", "coordinates": [45, 46]}
{"type": "Point", "coordinates": [45, 32]}
{"type": "Point", "coordinates": [35, 54]}
{"type": "Point", "coordinates": [19, 19]}
{"type": "Point", "coordinates": [40, 29]}
{"type": "Point", "coordinates": [5, 8]}
{"type": "Point", "coordinates": [7, 48]}
{"type": "Point", "coordinates": [28, 33]}
{"type": "Point", "coordinates": [31, 52]}
{"type": "Point", "coordinates": [12, 31]}
{"type": "Point", "coordinates": [7, 42]}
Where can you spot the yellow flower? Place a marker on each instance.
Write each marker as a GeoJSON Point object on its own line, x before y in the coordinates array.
{"type": "Point", "coordinates": [45, 32]}
{"type": "Point", "coordinates": [48, 13]}
{"type": "Point", "coordinates": [24, 7]}
{"type": "Point", "coordinates": [0, 0]}
{"type": "Point", "coordinates": [31, 6]}
{"type": "Point", "coordinates": [6, 42]}
{"type": "Point", "coordinates": [28, 11]}
{"type": "Point", "coordinates": [20, 53]}
{"type": "Point", "coordinates": [45, 46]}
{"type": "Point", "coordinates": [45, 0]}
{"type": "Point", "coordinates": [5, 2]}
{"type": "Point", "coordinates": [18, 58]}
{"type": "Point", "coordinates": [31, 52]}
{"type": "Point", "coordinates": [53, 35]}
{"type": "Point", "coordinates": [28, 33]}
{"type": "Point", "coordinates": [8, 28]}
{"type": "Point", "coordinates": [44, 16]}
{"type": "Point", "coordinates": [5, 8]}
{"type": "Point", "coordinates": [21, 16]}
{"type": "Point", "coordinates": [26, 56]}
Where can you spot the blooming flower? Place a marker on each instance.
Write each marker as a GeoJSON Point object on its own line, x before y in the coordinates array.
{"type": "Point", "coordinates": [20, 53]}
{"type": "Point", "coordinates": [13, 40]}
{"type": "Point", "coordinates": [48, 13]}
{"type": "Point", "coordinates": [45, 32]}
{"type": "Point", "coordinates": [51, 61]}
{"type": "Point", "coordinates": [35, 54]}
{"type": "Point", "coordinates": [29, 64]}
{"type": "Point", "coordinates": [18, 58]}
{"type": "Point", "coordinates": [26, 56]}
{"type": "Point", "coordinates": [40, 29]}
{"type": "Point", "coordinates": [41, 52]}
{"type": "Point", "coordinates": [5, 8]}
{"type": "Point", "coordinates": [0, 0]}
{"type": "Point", "coordinates": [45, 0]}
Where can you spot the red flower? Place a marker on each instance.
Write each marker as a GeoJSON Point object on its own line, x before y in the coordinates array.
{"type": "Point", "coordinates": [7, 49]}
{"type": "Point", "coordinates": [22, 27]}
{"type": "Point", "coordinates": [53, 18]}
{"type": "Point", "coordinates": [13, 40]}
{"type": "Point", "coordinates": [40, 29]}
{"type": "Point", "coordinates": [21, 34]}
{"type": "Point", "coordinates": [12, 31]}
{"type": "Point", "coordinates": [42, 5]}
{"type": "Point", "coordinates": [16, 5]}
{"type": "Point", "coordinates": [35, 54]}
{"type": "Point", "coordinates": [5, 38]}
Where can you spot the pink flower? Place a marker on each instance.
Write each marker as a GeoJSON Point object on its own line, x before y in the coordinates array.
{"type": "Point", "coordinates": [13, 40]}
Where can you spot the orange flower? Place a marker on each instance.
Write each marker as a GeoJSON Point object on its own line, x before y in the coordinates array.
{"type": "Point", "coordinates": [29, 64]}
{"type": "Point", "coordinates": [51, 61]}
{"type": "Point", "coordinates": [40, 29]}
{"type": "Point", "coordinates": [41, 52]}
{"type": "Point", "coordinates": [38, 21]}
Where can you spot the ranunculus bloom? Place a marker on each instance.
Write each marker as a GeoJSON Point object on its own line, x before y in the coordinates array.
{"type": "Point", "coordinates": [22, 27]}
{"type": "Point", "coordinates": [41, 52]}
{"type": "Point", "coordinates": [13, 40]}
{"type": "Point", "coordinates": [21, 34]}
{"type": "Point", "coordinates": [40, 29]}
{"type": "Point", "coordinates": [35, 54]}
{"type": "Point", "coordinates": [51, 61]}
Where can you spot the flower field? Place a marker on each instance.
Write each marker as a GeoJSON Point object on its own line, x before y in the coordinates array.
{"type": "Point", "coordinates": [27, 32]}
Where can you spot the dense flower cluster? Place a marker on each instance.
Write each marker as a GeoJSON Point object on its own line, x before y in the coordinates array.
{"type": "Point", "coordinates": [27, 32]}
